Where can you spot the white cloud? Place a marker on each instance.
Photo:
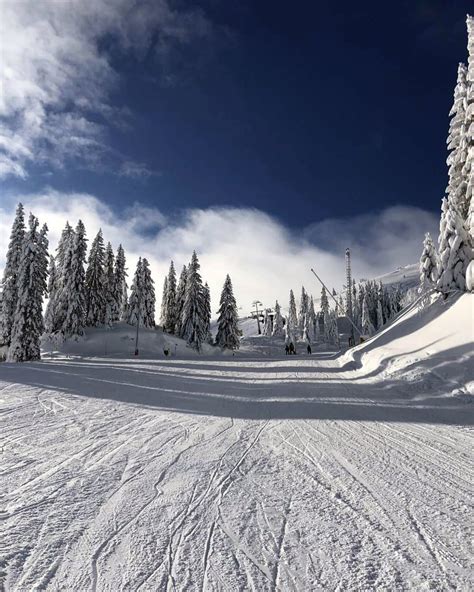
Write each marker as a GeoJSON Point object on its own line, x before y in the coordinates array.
{"type": "Point", "coordinates": [263, 258]}
{"type": "Point", "coordinates": [57, 75]}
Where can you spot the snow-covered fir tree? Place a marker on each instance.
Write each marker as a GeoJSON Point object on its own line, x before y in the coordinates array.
{"type": "Point", "coordinates": [170, 312]}
{"type": "Point", "coordinates": [135, 302]}
{"type": "Point", "coordinates": [367, 324]}
{"type": "Point", "coordinates": [380, 321]}
{"type": "Point", "coordinates": [207, 309]}
{"type": "Point", "coordinates": [468, 169]}
{"type": "Point", "coordinates": [148, 295]}
{"type": "Point", "coordinates": [324, 304]}
{"type": "Point", "coordinates": [428, 264]}
{"type": "Point", "coordinates": [193, 316]}
{"type": "Point", "coordinates": [228, 332]}
{"type": "Point", "coordinates": [120, 285]}
{"type": "Point", "coordinates": [10, 275]}
{"type": "Point", "coordinates": [311, 318]}
{"type": "Point", "coordinates": [457, 144]}
{"type": "Point", "coordinates": [303, 311]}
{"type": "Point", "coordinates": [267, 324]}
{"type": "Point", "coordinates": [180, 298]}
{"type": "Point", "coordinates": [292, 317]}
{"type": "Point", "coordinates": [164, 300]}
{"type": "Point", "coordinates": [455, 250]}
{"type": "Point", "coordinates": [278, 329]}
{"type": "Point", "coordinates": [331, 329]}
{"type": "Point", "coordinates": [63, 247]}
{"type": "Point", "coordinates": [109, 286]}
{"type": "Point", "coordinates": [28, 324]}
{"type": "Point", "coordinates": [95, 283]}
{"type": "Point", "coordinates": [124, 308]}
{"type": "Point", "coordinates": [73, 294]}
{"type": "Point", "coordinates": [355, 305]}
{"type": "Point", "coordinates": [51, 290]}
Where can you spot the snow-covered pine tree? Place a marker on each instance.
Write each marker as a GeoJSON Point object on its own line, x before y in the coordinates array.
{"type": "Point", "coordinates": [303, 311]}
{"type": "Point", "coordinates": [278, 329]}
{"type": "Point", "coordinates": [52, 287]}
{"type": "Point", "coordinates": [311, 325]}
{"type": "Point", "coordinates": [355, 305]}
{"type": "Point", "coordinates": [73, 293]}
{"type": "Point", "coordinates": [324, 304]}
{"type": "Point", "coordinates": [28, 324]}
{"type": "Point", "coordinates": [96, 283]}
{"type": "Point", "coordinates": [367, 325]}
{"type": "Point", "coordinates": [379, 315]}
{"type": "Point", "coordinates": [124, 308]}
{"type": "Point", "coordinates": [109, 286]}
{"type": "Point", "coordinates": [169, 324]}
{"type": "Point", "coordinates": [468, 170]}
{"type": "Point", "coordinates": [228, 333]}
{"type": "Point", "coordinates": [428, 264]}
{"type": "Point", "coordinates": [194, 312]}
{"type": "Point", "coordinates": [148, 295]}
{"type": "Point", "coordinates": [457, 144]}
{"type": "Point", "coordinates": [207, 309]}
{"type": "Point", "coordinates": [120, 285]}
{"type": "Point", "coordinates": [332, 329]}
{"type": "Point", "coordinates": [135, 303]}
{"type": "Point", "coordinates": [10, 275]}
{"type": "Point", "coordinates": [63, 247]}
{"type": "Point", "coordinates": [164, 301]}
{"type": "Point", "coordinates": [180, 298]}
{"type": "Point", "coordinates": [455, 250]}
{"type": "Point", "coordinates": [292, 317]}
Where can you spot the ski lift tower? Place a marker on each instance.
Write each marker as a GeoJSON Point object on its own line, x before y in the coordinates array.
{"type": "Point", "coordinates": [349, 290]}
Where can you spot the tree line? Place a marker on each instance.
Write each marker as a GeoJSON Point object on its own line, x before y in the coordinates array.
{"type": "Point", "coordinates": [92, 292]}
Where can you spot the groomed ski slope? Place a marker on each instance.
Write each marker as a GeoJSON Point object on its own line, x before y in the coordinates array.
{"type": "Point", "coordinates": [244, 473]}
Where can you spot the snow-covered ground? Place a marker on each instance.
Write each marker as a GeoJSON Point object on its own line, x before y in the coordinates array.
{"type": "Point", "coordinates": [244, 472]}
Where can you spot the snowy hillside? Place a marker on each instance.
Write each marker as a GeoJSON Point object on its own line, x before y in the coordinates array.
{"type": "Point", "coordinates": [406, 277]}
{"type": "Point", "coordinates": [213, 473]}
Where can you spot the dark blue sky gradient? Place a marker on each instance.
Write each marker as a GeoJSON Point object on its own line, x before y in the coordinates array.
{"type": "Point", "coordinates": [306, 110]}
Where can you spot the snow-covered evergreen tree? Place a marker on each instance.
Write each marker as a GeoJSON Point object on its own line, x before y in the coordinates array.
{"type": "Point", "coordinates": [109, 286]}
{"type": "Point", "coordinates": [120, 286]}
{"type": "Point", "coordinates": [311, 321]}
{"type": "Point", "coordinates": [164, 300]}
{"type": "Point", "coordinates": [96, 283]}
{"type": "Point", "coordinates": [124, 309]}
{"type": "Point", "coordinates": [28, 324]}
{"type": "Point", "coordinates": [367, 325]}
{"type": "Point", "coordinates": [355, 305]}
{"type": "Point", "coordinates": [148, 295]}
{"type": "Point", "coordinates": [228, 333]}
{"type": "Point", "coordinates": [135, 306]}
{"type": "Point", "coordinates": [62, 249]}
{"type": "Point", "coordinates": [292, 317]}
{"type": "Point", "coordinates": [428, 264]}
{"type": "Point", "coordinates": [194, 309]}
{"type": "Point", "coordinates": [278, 329]}
{"type": "Point", "coordinates": [303, 311]}
{"type": "Point", "coordinates": [180, 298]}
{"type": "Point", "coordinates": [169, 320]}
{"type": "Point", "coordinates": [49, 320]}
{"type": "Point", "coordinates": [73, 296]}
{"type": "Point", "coordinates": [10, 276]}
{"type": "Point", "coordinates": [468, 169]}
{"type": "Point", "coordinates": [380, 321]}
{"type": "Point", "coordinates": [267, 324]}
{"type": "Point", "coordinates": [457, 145]}
{"type": "Point", "coordinates": [324, 304]}
{"type": "Point", "coordinates": [331, 329]}
{"type": "Point", "coordinates": [207, 309]}
{"type": "Point", "coordinates": [455, 250]}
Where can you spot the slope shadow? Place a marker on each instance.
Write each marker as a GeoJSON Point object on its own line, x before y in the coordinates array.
{"type": "Point", "coordinates": [389, 400]}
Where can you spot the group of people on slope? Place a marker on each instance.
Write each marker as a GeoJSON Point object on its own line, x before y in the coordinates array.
{"type": "Point", "coordinates": [290, 349]}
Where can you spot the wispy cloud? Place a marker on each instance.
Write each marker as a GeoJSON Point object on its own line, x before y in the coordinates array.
{"type": "Point", "coordinates": [137, 170]}
{"type": "Point", "coordinates": [264, 258]}
{"type": "Point", "coordinates": [57, 76]}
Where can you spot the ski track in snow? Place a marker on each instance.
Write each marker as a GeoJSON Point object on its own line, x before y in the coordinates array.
{"type": "Point", "coordinates": [229, 475]}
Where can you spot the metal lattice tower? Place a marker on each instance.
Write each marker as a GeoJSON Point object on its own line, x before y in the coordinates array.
{"type": "Point", "coordinates": [349, 286]}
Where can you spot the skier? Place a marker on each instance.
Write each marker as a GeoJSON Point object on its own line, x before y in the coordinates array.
{"type": "Point", "coordinates": [287, 349]}
{"type": "Point", "coordinates": [292, 349]}
{"type": "Point", "coordinates": [308, 349]}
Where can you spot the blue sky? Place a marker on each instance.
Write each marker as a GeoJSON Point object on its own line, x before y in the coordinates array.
{"type": "Point", "coordinates": [310, 112]}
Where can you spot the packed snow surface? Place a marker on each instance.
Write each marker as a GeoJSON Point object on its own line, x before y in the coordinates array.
{"type": "Point", "coordinates": [250, 472]}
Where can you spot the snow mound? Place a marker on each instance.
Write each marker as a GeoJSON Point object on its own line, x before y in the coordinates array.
{"type": "Point", "coordinates": [430, 343]}
{"type": "Point", "coordinates": [119, 342]}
